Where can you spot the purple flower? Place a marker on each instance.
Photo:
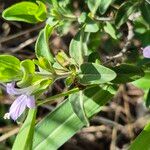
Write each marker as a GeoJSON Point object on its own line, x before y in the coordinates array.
{"type": "Point", "coordinates": [146, 52]}
{"type": "Point", "coordinates": [23, 100]}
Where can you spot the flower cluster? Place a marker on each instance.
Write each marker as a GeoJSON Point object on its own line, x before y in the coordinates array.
{"type": "Point", "coordinates": [24, 99]}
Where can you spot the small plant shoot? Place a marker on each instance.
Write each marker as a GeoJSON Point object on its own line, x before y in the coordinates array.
{"type": "Point", "coordinates": [106, 50]}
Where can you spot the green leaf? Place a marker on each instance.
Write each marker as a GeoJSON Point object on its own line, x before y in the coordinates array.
{"type": "Point", "coordinates": [92, 73]}
{"type": "Point", "coordinates": [41, 85]}
{"type": "Point", "coordinates": [78, 49]}
{"type": "Point", "coordinates": [24, 138]}
{"type": "Point", "coordinates": [82, 17]}
{"type": "Point", "coordinates": [147, 99]}
{"type": "Point", "coordinates": [104, 5]}
{"type": "Point", "coordinates": [26, 11]}
{"type": "Point", "coordinates": [62, 59]}
{"type": "Point", "coordinates": [42, 46]}
{"type": "Point", "coordinates": [9, 68]}
{"type": "Point", "coordinates": [127, 73]}
{"type": "Point", "coordinates": [69, 80]}
{"type": "Point", "coordinates": [142, 141]}
{"type": "Point", "coordinates": [108, 28]}
{"type": "Point", "coordinates": [61, 124]}
{"type": "Point", "coordinates": [28, 69]}
{"type": "Point", "coordinates": [77, 104]}
{"type": "Point", "coordinates": [125, 10]}
{"type": "Point", "coordinates": [64, 3]}
{"type": "Point", "coordinates": [44, 65]}
{"type": "Point", "coordinates": [93, 5]}
{"type": "Point", "coordinates": [91, 26]}
{"type": "Point", "coordinates": [144, 82]}
{"type": "Point", "coordinates": [145, 10]}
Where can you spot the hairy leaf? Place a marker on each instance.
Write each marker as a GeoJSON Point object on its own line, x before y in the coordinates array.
{"type": "Point", "coordinates": [42, 46]}
{"type": "Point", "coordinates": [127, 73]}
{"type": "Point", "coordinates": [93, 5]}
{"type": "Point", "coordinates": [104, 5]}
{"type": "Point", "coordinates": [9, 68]}
{"type": "Point", "coordinates": [110, 30]}
{"type": "Point", "coordinates": [92, 73]}
{"type": "Point", "coordinates": [26, 11]}
{"type": "Point", "coordinates": [28, 69]}
{"type": "Point", "coordinates": [78, 49]}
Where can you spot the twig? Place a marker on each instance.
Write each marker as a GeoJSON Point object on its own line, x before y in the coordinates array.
{"type": "Point", "coordinates": [9, 134]}
{"type": "Point", "coordinates": [94, 129]}
{"type": "Point", "coordinates": [127, 112]}
{"type": "Point", "coordinates": [22, 45]}
{"type": "Point", "coordinates": [20, 33]}
{"type": "Point", "coordinates": [108, 122]}
{"type": "Point", "coordinates": [6, 129]}
{"type": "Point", "coordinates": [114, 131]}
{"type": "Point", "coordinates": [141, 122]}
{"type": "Point", "coordinates": [128, 42]}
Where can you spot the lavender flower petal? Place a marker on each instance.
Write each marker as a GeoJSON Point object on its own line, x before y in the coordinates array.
{"type": "Point", "coordinates": [10, 87]}
{"type": "Point", "coordinates": [146, 52]}
{"type": "Point", "coordinates": [30, 101]}
{"type": "Point", "coordinates": [18, 107]}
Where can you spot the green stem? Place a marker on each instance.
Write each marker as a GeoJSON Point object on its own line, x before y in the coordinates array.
{"type": "Point", "coordinates": [53, 98]}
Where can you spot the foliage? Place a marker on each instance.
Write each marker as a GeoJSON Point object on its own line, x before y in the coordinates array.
{"type": "Point", "coordinates": [88, 79]}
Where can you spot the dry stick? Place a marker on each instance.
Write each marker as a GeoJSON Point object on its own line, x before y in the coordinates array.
{"type": "Point", "coordinates": [141, 122]}
{"type": "Point", "coordinates": [94, 129]}
{"type": "Point", "coordinates": [128, 115]}
{"type": "Point", "coordinates": [22, 45]}
{"type": "Point", "coordinates": [9, 134]}
{"type": "Point", "coordinates": [21, 33]}
{"type": "Point", "coordinates": [109, 122]}
{"type": "Point", "coordinates": [6, 129]}
{"type": "Point", "coordinates": [114, 131]}
{"type": "Point", "coordinates": [128, 42]}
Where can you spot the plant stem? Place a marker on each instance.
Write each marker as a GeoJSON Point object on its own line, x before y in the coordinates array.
{"type": "Point", "coordinates": [51, 99]}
